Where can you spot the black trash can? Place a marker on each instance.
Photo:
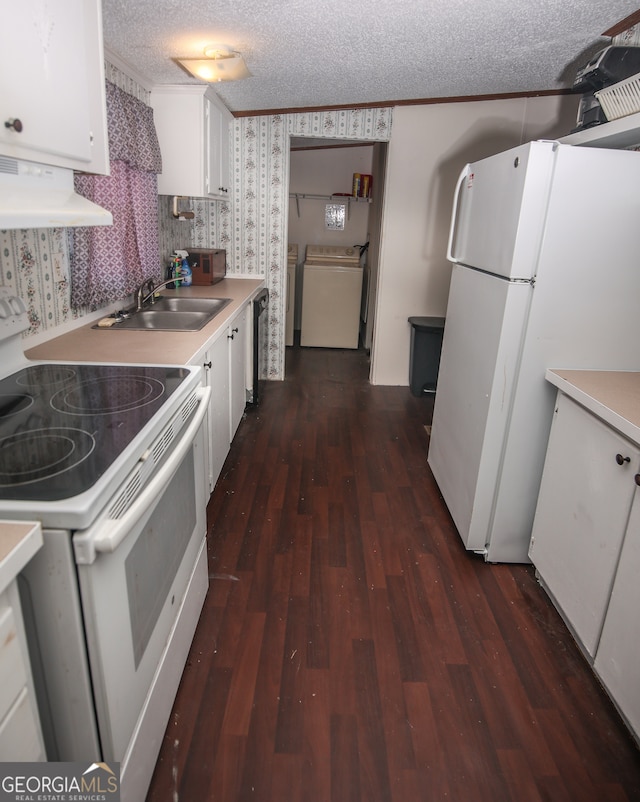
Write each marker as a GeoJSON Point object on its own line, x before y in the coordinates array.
{"type": "Point", "coordinates": [426, 344]}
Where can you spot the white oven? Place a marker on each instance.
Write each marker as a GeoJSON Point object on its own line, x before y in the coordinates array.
{"type": "Point", "coordinates": [110, 459]}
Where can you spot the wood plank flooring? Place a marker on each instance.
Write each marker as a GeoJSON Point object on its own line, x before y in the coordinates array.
{"type": "Point", "coordinates": [350, 650]}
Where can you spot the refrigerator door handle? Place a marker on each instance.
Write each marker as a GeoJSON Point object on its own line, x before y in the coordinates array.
{"type": "Point", "coordinates": [454, 214]}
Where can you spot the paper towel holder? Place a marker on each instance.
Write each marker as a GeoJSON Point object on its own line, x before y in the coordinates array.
{"type": "Point", "coordinates": [182, 208]}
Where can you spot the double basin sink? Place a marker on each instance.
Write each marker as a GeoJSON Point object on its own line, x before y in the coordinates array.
{"type": "Point", "coordinates": [173, 314]}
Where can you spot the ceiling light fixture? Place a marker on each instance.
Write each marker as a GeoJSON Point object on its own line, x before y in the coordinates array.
{"type": "Point", "coordinates": [220, 64]}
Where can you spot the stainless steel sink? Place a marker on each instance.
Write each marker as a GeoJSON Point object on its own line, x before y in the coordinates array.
{"type": "Point", "coordinates": [175, 304]}
{"type": "Point", "coordinates": [173, 314]}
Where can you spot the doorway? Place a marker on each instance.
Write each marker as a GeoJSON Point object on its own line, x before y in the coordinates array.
{"type": "Point", "coordinates": [321, 172]}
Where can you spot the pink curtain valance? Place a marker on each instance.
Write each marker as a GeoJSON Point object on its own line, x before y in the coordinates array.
{"type": "Point", "coordinates": [109, 262]}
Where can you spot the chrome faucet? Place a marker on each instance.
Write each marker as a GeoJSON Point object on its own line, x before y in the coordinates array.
{"type": "Point", "coordinates": [147, 290]}
{"type": "Point", "coordinates": [143, 292]}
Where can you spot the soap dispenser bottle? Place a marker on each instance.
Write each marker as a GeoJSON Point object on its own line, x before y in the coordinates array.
{"type": "Point", "coordinates": [186, 276]}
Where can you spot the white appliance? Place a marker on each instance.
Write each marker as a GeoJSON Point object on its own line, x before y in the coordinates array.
{"type": "Point", "coordinates": [545, 243]}
{"type": "Point", "coordinates": [331, 296]}
{"type": "Point", "coordinates": [110, 460]}
{"type": "Point", "coordinates": [292, 264]}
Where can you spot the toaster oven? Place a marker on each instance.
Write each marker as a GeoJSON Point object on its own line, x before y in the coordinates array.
{"type": "Point", "coordinates": [208, 266]}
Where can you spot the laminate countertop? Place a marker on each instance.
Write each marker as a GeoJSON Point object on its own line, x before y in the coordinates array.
{"type": "Point", "coordinates": [19, 541]}
{"type": "Point", "coordinates": [90, 344]}
{"type": "Point", "coordinates": [612, 395]}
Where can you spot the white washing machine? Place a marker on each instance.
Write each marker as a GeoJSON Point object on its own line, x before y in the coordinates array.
{"type": "Point", "coordinates": [292, 261]}
{"type": "Point", "coordinates": [331, 296]}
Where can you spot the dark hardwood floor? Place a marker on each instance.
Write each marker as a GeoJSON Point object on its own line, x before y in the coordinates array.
{"type": "Point", "coordinates": [350, 650]}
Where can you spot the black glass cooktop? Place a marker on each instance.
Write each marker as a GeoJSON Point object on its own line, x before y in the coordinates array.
{"type": "Point", "coordinates": [62, 426]}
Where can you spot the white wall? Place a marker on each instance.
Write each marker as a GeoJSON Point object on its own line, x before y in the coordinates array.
{"type": "Point", "coordinates": [428, 148]}
{"type": "Point", "coordinates": [326, 171]}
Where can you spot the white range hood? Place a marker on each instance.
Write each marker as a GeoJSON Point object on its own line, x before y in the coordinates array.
{"type": "Point", "coordinates": [36, 195]}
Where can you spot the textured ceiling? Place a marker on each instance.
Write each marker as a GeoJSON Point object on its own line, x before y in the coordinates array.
{"type": "Point", "coordinates": [342, 52]}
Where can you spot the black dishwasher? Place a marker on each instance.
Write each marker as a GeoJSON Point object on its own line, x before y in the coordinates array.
{"type": "Point", "coordinates": [260, 304]}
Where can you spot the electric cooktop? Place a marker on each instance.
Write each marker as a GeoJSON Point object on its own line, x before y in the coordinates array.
{"type": "Point", "coordinates": [63, 425]}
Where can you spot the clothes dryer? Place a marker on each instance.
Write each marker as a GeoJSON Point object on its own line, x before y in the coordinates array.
{"type": "Point", "coordinates": [331, 296]}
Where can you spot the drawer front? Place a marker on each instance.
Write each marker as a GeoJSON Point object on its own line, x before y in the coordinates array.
{"type": "Point", "coordinates": [20, 733]}
{"type": "Point", "coordinates": [13, 675]}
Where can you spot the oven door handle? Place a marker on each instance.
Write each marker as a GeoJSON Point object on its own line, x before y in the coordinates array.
{"type": "Point", "coordinates": [108, 534]}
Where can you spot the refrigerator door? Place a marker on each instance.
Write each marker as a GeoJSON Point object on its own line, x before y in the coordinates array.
{"type": "Point", "coordinates": [493, 407]}
{"type": "Point", "coordinates": [486, 320]}
{"type": "Point", "coordinates": [499, 211]}
{"type": "Point", "coordinates": [583, 315]}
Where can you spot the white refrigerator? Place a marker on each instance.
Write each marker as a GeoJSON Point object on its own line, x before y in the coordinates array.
{"type": "Point", "coordinates": [545, 246]}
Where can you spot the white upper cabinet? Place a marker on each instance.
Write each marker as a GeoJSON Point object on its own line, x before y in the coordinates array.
{"type": "Point", "coordinates": [219, 163]}
{"type": "Point", "coordinates": [193, 127]}
{"type": "Point", "coordinates": [52, 94]}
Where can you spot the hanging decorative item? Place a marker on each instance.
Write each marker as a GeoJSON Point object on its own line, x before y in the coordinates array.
{"type": "Point", "coordinates": [334, 216]}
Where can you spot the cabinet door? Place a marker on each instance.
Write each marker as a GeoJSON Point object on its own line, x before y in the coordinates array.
{"type": "Point", "coordinates": [20, 738]}
{"type": "Point", "coordinates": [219, 426]}
{"type": "Point", "coordinates": [218, 168]}
{"type": "Point", "coordinates": [20, 735]}
{"type": "Point", "coordinates": [581, 516]}
{"type": "Point", "coordinates": [179, 117]}
{"type": "Point", "coordinates": [238, 339]}
{"type": "Point", "coordinates": [193, 131]}
{"type": "Point", "coordinates": [52, 81]}
{"type": "Point", "coordinates": [224, 129]}
{"type": "Point", "coordinates": [12, 672]}
{"type": "Point", "coordinates": [618, 656]}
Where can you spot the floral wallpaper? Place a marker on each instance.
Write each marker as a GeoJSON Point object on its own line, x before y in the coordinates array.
{"type": "Point", "coordinates": [35, 263]}
{"type": "Point", "coordinates": [251, 226]}
{"type": "Point", "coordinates": [628, 38]}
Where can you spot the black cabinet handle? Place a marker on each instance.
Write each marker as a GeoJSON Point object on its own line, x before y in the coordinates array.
{"type": "Point", "coordinates": [16, 124]}
{"type": "Point", "coordinates": [621, 460]}
{"type": "Point", "coordinates": [207, 364]}
{"type": "Point", "coordinates": [637, 479]}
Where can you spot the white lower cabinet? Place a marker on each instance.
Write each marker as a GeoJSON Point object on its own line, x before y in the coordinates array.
{"type": "Point", "coordinates": [20, 734]}
{"type": "Point", "coordinates": [618, 657]}
{"type": "Point", "coordinates": [225, 362]}
{"type": "Point", "coordinates": [215, 360]}
{"type": "Point", "coordinates": [586, 545]}
{"type": "Point", "coordinates": [583, 506]}
{"type": "Point", "coordinates": [238, 344]}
